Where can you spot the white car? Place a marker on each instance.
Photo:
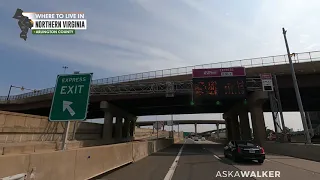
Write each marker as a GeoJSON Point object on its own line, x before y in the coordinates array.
{"type": "Point", "coordinates": [203, 139]}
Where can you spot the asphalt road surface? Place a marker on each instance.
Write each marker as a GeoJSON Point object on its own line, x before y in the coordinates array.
{"type": "Point", "coordinates": [203, 160]}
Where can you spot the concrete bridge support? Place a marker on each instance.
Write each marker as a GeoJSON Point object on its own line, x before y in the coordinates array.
{"type": "Point", "coordinates": [218, 131]}
{"type": "Point", "coordinates": [228, 127]}
{"type": "Point", "coordinates": [257, 117]}
{"type": "Point", "coordinates": [245, 125]}
{"type": "Point", "coordinates": [235, 127]}
{"type": "Point", "coordinates": [195, 128]}
{"type": "Point", "coordinates": [232, 126]}
{"type": "Point", "coordinates": [123, 130]}
{"type": "Point", "coordinates": [107, 126]}
{"type": "Point", "coordinates": [126, 127]}
{"type": "Point", "coordinates": [132, 125]}
{"type": "Point", "coordinates": [118, 129]}
{"type": "Point", "coordinates": [255, 103]}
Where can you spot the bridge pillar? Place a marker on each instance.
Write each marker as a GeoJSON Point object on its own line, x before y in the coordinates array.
{"type": "Point", "coordinates": [114, 111]}
{"type": "Point", "coordinates": [228, 128]}
{"type": "Point", "coordinates": [235, 127]}
{"type": "Point", "coordinates": [126, 126]}
{"type": "Point", "coordinates": [108, 121]}
{"type": "Point", "coordinates": [218, 131]}
{"type": "Point", "coordinates": [132, 125]}
{"type": "Point", "coordinates": [195, 128]}
{"type": "Point", "coordinates": [256, 101]}
{"type": "Point", "coordinates": [244, 125]}
{"type": "Point", "coordinates": [118, 133]}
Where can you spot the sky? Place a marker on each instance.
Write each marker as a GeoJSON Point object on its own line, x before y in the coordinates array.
{"type": "Point", "coordinates": [132, 36]}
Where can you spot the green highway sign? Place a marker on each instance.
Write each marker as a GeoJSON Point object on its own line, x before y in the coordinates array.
{"type": "Point", "coordinates": [71, 97]}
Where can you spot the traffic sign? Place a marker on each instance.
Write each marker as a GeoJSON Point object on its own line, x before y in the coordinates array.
{"type": "Point", "coordinates": [71, 97]}
{"type": "Point", "coordinates": [267, 83]}
{"type": "Point", "coordinates": [170, 123]}
{"type": "Point", "coordinates": [158, 125]}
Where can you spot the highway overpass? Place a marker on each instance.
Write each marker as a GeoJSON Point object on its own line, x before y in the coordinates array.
{"type": "Point", "coordinates": [211, 131]}
{"type": "Point", "coordinates": [144, 93]}
{"type": "Point", "coordinates": [180, 122]}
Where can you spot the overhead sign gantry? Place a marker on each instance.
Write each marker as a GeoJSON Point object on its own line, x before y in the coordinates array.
{"type": "Point", "coordinates": [219, 83]}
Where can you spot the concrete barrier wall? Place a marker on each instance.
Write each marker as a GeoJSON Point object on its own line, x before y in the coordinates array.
{"type": "Point", "coordinates": [310, 152]}
{"type": "Point", "coordinates": [222, 141]}
{"type": "Point", "coordinates": [78, 164]}
{"type": "Point", "coordinates": [18, 127]}
{"type": "Point", "coordinates": [141, 150]}
{"type": "Point", "coordinates": [178, 136]}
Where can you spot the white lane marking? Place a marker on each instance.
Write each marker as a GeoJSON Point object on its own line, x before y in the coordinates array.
{"type": "Point", "coordinates": [174, 165]}
{"type": "Point", "coordinates": [216, 157]}
{"type": "Point", "coordinates": [267, 160]}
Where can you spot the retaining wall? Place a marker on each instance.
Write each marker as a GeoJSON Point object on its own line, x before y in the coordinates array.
{"type": "Point", "coordinates": [18, 127]}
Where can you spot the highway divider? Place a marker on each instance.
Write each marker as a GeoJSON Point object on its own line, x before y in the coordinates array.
{"type": "Point", "coordinates": [78, 164]}
{"type": "Point", "coordinates": [298, 150]}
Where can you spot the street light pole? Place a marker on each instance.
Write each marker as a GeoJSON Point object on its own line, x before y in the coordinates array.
{"type": "Point", "coordinates": [296, 88]}
{"type": "Point", "coordinates": [9, 93]}
{"type": "Point", "coordinates": [65, 68]}
{"type": "Point", "coordinates": [21, 88]}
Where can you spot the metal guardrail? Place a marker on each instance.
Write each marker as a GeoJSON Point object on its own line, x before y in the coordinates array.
{"type": "Point", "coordinates": [248, 63]}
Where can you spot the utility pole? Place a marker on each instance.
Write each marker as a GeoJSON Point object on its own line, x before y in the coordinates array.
{"type": "Point", "coordinates": [296, 88]}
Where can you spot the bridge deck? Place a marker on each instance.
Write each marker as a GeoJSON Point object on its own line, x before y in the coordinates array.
{"type": "Point", "coordinates": [150, 123]}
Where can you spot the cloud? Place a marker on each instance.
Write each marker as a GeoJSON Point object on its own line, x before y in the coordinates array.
{"type": "Point", "coordinates": [141, 35]}
{"type": "Point", "coordinates": [131, 36]}
{"type": "Point", "coordinates": [312, 46]}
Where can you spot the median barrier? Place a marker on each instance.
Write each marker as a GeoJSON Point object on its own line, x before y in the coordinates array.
{"type": "Point", "coordinates": [221, 141]}
{"type": "Point", "coordinates": [303, 151]}
{"type": "Point", "coordinates": [141, 150]}
{"type": "Point", "coordinates": [93, 161]}
{"type": "Point", "coordinates": [78, 164]}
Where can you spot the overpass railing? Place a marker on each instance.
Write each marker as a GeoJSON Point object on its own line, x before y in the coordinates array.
{"type": "Point", "coordinates": [253, 84]}
{"type": "Point", "coordinates": [248, 63]}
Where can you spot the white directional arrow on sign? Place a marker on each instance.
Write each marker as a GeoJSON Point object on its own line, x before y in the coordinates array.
{"type": "Point", "coordinates": [66, 105]}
